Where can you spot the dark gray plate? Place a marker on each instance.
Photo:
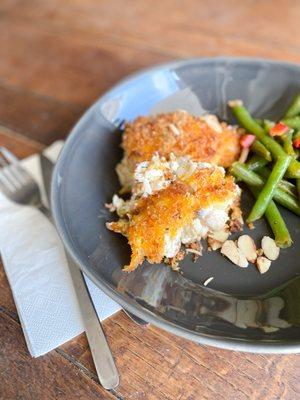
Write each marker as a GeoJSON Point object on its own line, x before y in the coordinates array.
{"type": "Point", "coordinates": [241, 309]}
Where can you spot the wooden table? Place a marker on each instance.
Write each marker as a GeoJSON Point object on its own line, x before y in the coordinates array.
{"type": "Point", "coordinates": [56, 57]}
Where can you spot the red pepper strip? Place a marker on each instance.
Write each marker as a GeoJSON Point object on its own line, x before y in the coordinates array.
{"type": "Point", "coordinates": [279, 129]}
{"type": "Point", "coordinates": [247, 140]}
{"type": "Point", "coordinates": [296, 143]}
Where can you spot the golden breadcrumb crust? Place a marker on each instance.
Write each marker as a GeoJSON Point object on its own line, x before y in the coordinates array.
{"type": "Point", "coordinates": [170, 209]}
{"type": "Point", "coordinates": [181, 134]}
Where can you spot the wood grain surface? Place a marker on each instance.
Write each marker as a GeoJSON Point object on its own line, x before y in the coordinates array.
{"type": "Point", "coordinates": [56, 57]}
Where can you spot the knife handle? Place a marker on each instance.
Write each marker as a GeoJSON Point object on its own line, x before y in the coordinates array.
{"type": "Point", "coordinates": [103, 360]}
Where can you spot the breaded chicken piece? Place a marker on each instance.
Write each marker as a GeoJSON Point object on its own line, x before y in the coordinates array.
{"type": "Point", "coordinates": [202, 138]}
{"type": "Point", "coordinates": [173, 203]}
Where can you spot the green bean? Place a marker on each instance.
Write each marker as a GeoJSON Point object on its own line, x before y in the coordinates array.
{"type": "Point", "coordinates": [275, 149]}
{"type": "Point", "coordinates": [258, 148]}
{"type": "Point", "coordinates": [287, 141]}
{"type": "Point", "coordinates": [243, 173]}
{"type": "Point", "coordinates": [278, 226]}
{"type": "Point", "coordinates": [267, 192]}
{"type": "Point", "coordinates": [284, 185]}
{"type": "Point", "coordinates": [276, 222]}
{"type": "Point", "coordinates": [294, 108]}
{"type": "Point", "coordinates": [298, 188]}
{"type": "Point", "coordinates": [293, 122]}
{"type": "Point", "coordinates": [246, 120]}
{"type": "Point", "coordinates": [256, 163]}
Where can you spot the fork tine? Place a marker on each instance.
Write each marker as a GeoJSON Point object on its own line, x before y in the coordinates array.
{"type": "Point", "coordinates": [3, 162]}
{"type": "Point", "coordinates": [8, 177]}
{"type": "Point", "coordinates": [13, 171]}
{"type": "Point", "coordinates": [16, 182]}
{"type": "Point", "coordinates": [12, 159]}
{"type": "Point", "coordinates": [23, 174]}
{"type": "Point", "coordinates": [6, 184]}
{"type": "Point", "coordinates": [7, 173]}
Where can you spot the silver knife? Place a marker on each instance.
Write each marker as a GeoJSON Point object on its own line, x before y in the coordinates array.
{"type": "Point", "coordinates": [103, 359]}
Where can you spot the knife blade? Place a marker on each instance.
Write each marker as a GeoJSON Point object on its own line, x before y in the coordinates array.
{"type": "Point", "coordinates": [102, 356]}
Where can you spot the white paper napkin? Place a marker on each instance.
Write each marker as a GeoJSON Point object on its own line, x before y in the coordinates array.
{"type": "Point", "coordinates": [35, 264]}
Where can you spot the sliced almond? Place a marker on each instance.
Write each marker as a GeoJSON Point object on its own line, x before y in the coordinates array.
{"type": "Point", "coordinates": [194, 251]}
{"type": "Point", "coordinates": [270, 249]}
{"type": "Point", "coordinates": [231, 251]}
{"type": "Point", "coordinates": [217, 238]}
{"type": "Point", "coordinates": [214, 244]}
{"type": "Point", "coordinates": [263, 264]}
{"type": "Point", "coordinates": [110, 207]}
{"type": "Point", "coordinates": [213, 122]}
{"type": "Point", "coordinates": [174, 129]}
{"type": "Point", "coordinates": [220, 236]}
{"type": "Point", "coordinates": [208, 280]}
{"type": "Point", "coordinates": [269, 329]}
{"type": "Point", "coordinates": [247, 246]}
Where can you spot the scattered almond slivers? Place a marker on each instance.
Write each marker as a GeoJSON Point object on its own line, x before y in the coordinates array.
{"type": "Point", "coordinates": [208, 280]}
{"type": "Point", "coordinates": [213, 244]}
{"type": "Point", "coordinates": [194, 251]}
{"type": "Point", "coordinates": [213, 122]}
{"type": "Point", "coordinates": [269, 247]}
{"type": "Point", "coordinates": [247, 246]}
{"type": "Point", "coordinates": [244, 250]}
{"type": "Point", "coordinates": [174, 129]}
{"type": "Point", "coordinates": [260, 252]}
{"type": "Point", "coordinates": [234, 254]}
{"type": "Point", "coordinates": [263, 264]}
{"type": "Point", "coordinates": [217, 238]}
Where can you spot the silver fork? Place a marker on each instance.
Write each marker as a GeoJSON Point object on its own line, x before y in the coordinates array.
{"type": "Point", "coordinates": [18, 185]}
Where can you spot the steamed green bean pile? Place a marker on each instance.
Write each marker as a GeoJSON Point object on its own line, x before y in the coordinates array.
{"type": "Point", "coordinates": [273, 171]}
